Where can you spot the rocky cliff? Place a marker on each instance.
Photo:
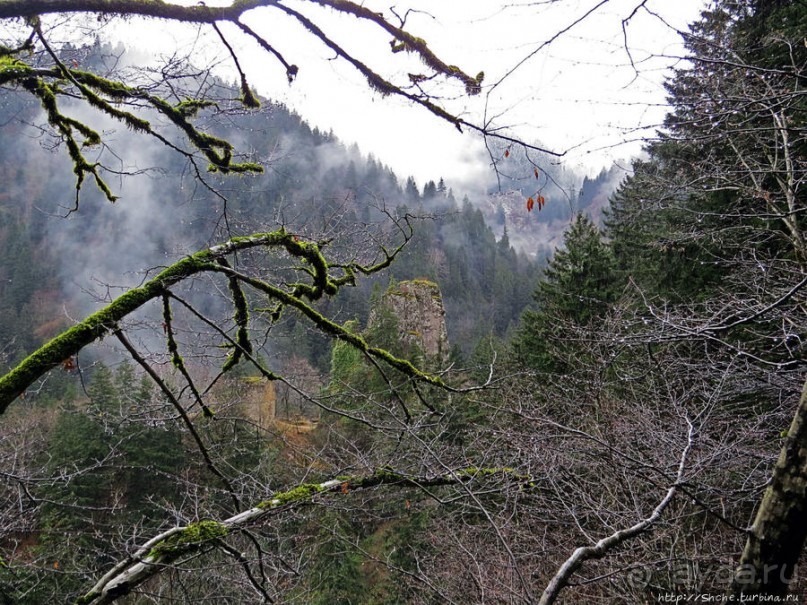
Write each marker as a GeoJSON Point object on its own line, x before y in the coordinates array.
{"type": "Point", "coordinates": [416, 308]}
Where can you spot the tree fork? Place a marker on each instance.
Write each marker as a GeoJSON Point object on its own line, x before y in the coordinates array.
{"type": "Point", "coordinates": [102, 322]}
{"type": "Point", "coordinates": [154, 556]}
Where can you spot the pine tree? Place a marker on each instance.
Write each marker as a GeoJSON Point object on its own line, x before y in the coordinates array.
{"type": "Point", "coordinates": [652, 240]}
{"type": "Point", "coordinates": [411, 192]}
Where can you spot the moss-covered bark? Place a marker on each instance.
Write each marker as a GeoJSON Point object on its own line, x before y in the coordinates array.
{"type": "Point", "coordinates": [97, 325]}
{"type": "Point", "coordinates": [192, 537]}
{"type": "Point", "coordinates": [198, 13]}
{"type": "Point", "coordinates": [100, 323]}
{"type": "Point", "coordinates": [777, 536]}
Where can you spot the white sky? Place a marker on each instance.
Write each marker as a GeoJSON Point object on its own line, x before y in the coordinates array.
{"type": "Point", "coordinates": [578, 94]}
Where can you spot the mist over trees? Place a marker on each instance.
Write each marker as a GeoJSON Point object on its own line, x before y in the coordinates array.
{"type": "Point", "coordinates": [209, 397]}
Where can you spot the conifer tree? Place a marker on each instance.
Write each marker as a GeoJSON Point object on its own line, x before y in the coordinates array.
{"type": "Point", "coordinates": [711, 230]}
{"type": "Point", "coordinates": [577, 288]}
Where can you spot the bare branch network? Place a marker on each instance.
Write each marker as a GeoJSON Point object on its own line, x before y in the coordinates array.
{"type": "Point", "coordinates": [649, 389]}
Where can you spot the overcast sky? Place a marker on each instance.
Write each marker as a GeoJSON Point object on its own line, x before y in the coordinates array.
{"type": "Point", "coordinates": [580, 94]}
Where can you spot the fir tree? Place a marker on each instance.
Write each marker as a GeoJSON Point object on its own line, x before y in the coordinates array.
{"type": "Point", "coordinates": [577, 288]}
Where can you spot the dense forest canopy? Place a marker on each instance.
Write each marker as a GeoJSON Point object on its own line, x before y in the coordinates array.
{"type": "Point", "coordinates": [247, 404]}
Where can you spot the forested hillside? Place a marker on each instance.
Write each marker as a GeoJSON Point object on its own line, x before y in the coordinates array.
{"type": "Point", "coordinates": [312, 184]}
{"type": "Point", "coordinates": [257, 421]}
{"type": "Point", "coordinates": [105, 432]}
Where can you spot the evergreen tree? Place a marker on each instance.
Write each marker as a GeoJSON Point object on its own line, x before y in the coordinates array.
{"type": "Point", "coordinates": [429, 191]}
{"type": "Point", "coordinates": [411, 191]}
{"type": "Point", "coordinates": [652, 240]}
{"type": "Point", "coordinates": [577, 288]}
{"type": "Point", "coordinates": [347, 362]}
{"type": "Point", "coordinates": [711, 229]}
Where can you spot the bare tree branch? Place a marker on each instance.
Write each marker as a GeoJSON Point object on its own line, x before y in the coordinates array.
{"type": "Point", "coordinates": [607, 544]}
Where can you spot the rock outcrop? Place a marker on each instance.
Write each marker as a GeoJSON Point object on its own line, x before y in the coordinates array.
{"type": "Point", "coordinates": [417, 308]}
{"type": "Point", "coordinates": [258, 400]}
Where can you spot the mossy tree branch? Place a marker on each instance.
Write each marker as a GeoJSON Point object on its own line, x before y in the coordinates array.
{"type": "Point", "coordinates": [180, 542]}
{"type": "Point", "coordinates": [104, 94]}
{"type": "Point", "coordinates": [326, 279]}
{"type": "Point", "coordinates": [202, 13]}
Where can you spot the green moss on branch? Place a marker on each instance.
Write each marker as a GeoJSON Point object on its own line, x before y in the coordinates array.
{"type": "Point", "coordinates": [302, 492]}
{"type": "Point", "coordinates": [188, 540]}
{"type": "Point", "coordinates": [100, 323]}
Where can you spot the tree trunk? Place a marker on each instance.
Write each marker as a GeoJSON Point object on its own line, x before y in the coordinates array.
{"type": "Point", "coordinates": [779, 530]}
